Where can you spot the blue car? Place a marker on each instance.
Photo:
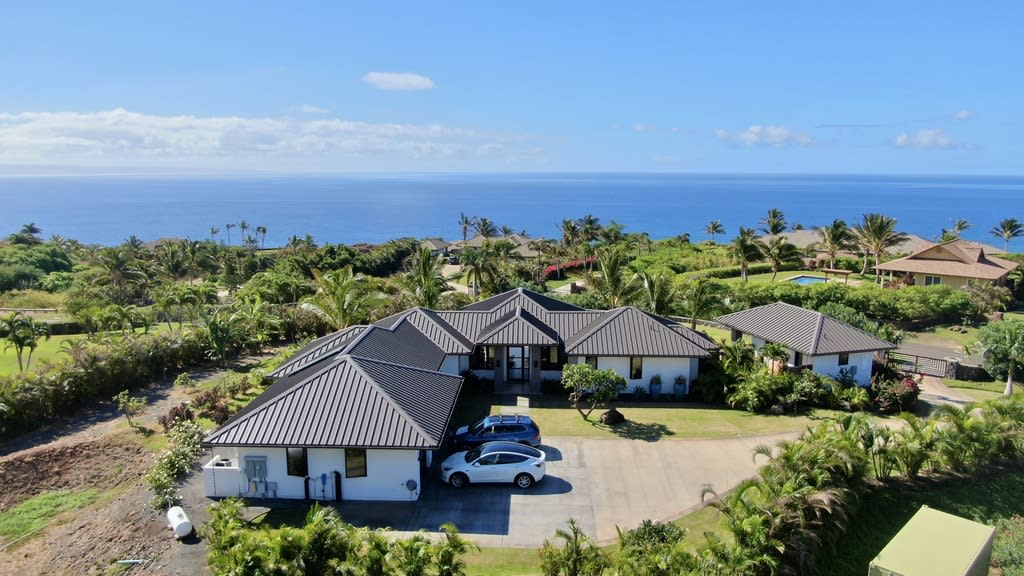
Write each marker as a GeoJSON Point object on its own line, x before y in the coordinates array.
{"type": "Point", "coordinates": [504, 427]}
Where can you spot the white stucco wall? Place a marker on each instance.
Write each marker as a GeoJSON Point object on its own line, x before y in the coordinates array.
{"type": "Point", "coordinates": [829, 365]}
{"type": "Point", "coordinates": [668, 367]}
{"type": "Point", "coordinates": [387, 472]}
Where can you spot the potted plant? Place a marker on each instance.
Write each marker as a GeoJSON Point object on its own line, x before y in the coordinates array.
{"type": "Point", "coordinates": [679, 387]}
{"type": "Point", "coordinates": [655, 386]}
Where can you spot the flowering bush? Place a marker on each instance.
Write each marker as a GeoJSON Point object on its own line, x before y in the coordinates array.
{"type": "Point", "coordinates": [174, 462]}
{"type": "Point", "coordinates": [896, 394]}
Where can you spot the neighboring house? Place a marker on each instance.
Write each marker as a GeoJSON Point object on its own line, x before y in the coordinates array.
{"type": "Point", "coordinates": [436, 246]}
{"type": "Point", "coordinates": [814, 340]}
{"type": "Point", "coordinates": [355, 415]}
{"type": "Point", "coordinates": [952, 263]}
{"type": "Point", "coordinates": [808, 241]}
{"type": "Point", "coordinates": [520, 241]}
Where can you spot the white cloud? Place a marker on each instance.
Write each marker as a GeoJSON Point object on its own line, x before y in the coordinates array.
{"type": "Point", "coordinates": [644, 128]}
{"type": "Point", "coordinates": [398, 81]}
{"type": "Point", "coordinates": [934, 138]}
{"type": "Point", "coordinates": [122, 138]}
{"type": "Point", "coordinates": [774, 136]}
{"type": "Point", "coordinates": [963, 115]}
{"type": "Point", "coordinates": [310, 109]}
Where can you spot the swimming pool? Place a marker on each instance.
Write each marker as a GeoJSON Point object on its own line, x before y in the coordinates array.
{"type": "Point", "coordinates": [804, 280]}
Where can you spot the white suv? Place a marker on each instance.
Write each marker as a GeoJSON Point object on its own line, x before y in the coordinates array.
{"type": "Point", "coordinates": [495, 462]}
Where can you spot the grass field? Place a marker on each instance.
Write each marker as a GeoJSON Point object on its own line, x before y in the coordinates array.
{"type": "Point", "coordinates": [35, 513]}
{"type": "Point", "coordinates": [943, 336]}
{"type": "Point", "coordinates": [47, 351]}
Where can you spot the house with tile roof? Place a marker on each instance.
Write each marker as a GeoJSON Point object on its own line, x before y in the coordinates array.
{"type": "Point", "coordinates": [952, 263]}
{"type": "Point", "coordinates": [814, 340]}
{"type": "Point", "coordinates": [356, 414]}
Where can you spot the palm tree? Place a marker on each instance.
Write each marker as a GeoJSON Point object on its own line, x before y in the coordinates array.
{"type": "Point", "coordinates": [655, 292]}
{"type": "Point", "coordinates": [778, 251]}
{"type": "Point", "coordinates": [959, 227]}
{"type": "Point", "coordinates": [465, 223]}
{"type": "Point", "coordinates": [610, 282]}
{"type": "Point", "coordinates": [243, 226]}
{"type": "Point", "coordinates": [774, 222]}
{"type": "Point", "coordinates": [713, 229]}
{"type": "Point", "coordinates": [222, 332]}
{"type": "Point", "coordinates": [571, 234]}
{"type": "Point", "coordinates": [590, 228]}
{"type": "Point", "coordinates": [423, 277]}
{"type": "Point", "coordinates": [448, 553]}
{"type": "Point", "coordinates": [28, 235]}
{"type": "Point", "coordinates": [261, 231]}
{"type": "Point", "coordinates": [1008, 229]}
{"type": "Point", "coordinates": [836, 237]}
{"type": "Point", "coordinates": [484, 227]}
{"type": "Point", "coordinates": [213, 233]}
{"type": "Point", "coordinates": [744, 250]}
{"type": "Point", "coordinates": [22, 332]}
{"type": "Point", "coordinates": [228, 227]}
{"type": "Point", "coordinates": [120, 272]}
{"type": "Point", "coordinates": [612, 233]}
{"type": "Point", "coordinates": [702, 298]}
{"type": "Point", "coordinates": [478, 269]}
{"type": "Point", "coordinates": [342, 297]}
{"type": "Point", "coordinates": [1002, 344]}
{"type": "Point", "coordinates": [256, 321]}
{"type": "Point", "coordinates": [875, 234]}
{"type": "Point", "coordinates": [507, 231]}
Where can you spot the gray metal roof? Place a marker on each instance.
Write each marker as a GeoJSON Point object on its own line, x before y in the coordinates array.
{"type": "Point", "coordinates": [535, 303]}
{"type": "Point", "coordinates": [802, 330]}
{"type": "Point", "coordinates": [318, 350]}
{"type": "Point", "coordinates": [440, 332]}
{"type": "Point", "coordinates": [403, 344]}
{"type": "Point", "coordinates": [355, 402]}
{"type": "Point", "coordinates": [518, 329]}
{"type": "Point", "coordinates": [629, 331]}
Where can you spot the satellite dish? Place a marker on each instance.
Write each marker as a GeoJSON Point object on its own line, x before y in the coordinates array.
{"type": "Point", "coordinates": [411, 485]}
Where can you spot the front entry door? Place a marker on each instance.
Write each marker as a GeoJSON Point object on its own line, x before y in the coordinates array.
{"type": "Point", "coordinates": [518, 363]}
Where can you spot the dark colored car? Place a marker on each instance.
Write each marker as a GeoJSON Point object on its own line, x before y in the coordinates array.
{"type": "Point", "coordinates": [504, 427]}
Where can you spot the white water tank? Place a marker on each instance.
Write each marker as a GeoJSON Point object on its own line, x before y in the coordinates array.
{"type": "Point", "coordinates": [180, 523]}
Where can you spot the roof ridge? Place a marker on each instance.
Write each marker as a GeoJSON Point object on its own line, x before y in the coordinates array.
{"type": "Point", "coordinates": [424, 436]}
{"type": "Point", "coordinates": [589, 331]}
{"type": "Point", "coordinates": [432, 316]}
{"type": "Point", "coordinates": [818, 330]}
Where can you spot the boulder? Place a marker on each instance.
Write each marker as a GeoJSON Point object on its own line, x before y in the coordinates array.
{"type": "Point", "coordinates": [612, 417]}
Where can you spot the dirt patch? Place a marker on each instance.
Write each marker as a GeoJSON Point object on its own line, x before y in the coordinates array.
{"type": "Point", "coordinates": [101, 463]}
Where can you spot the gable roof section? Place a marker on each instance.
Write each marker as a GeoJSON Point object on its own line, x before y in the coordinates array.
{"type": "Point", "coordinates": [354, 402]}
{"type": "Point", "coordinates": [629, 331]}
{"type": "Point", "coordinates": [318, 350]}
{"type": "Point", "coordinates": [802, 330]}
{"type": "Point", "coordinates": [955, 258]}
{"type": "Point", "coordinates": [519, 328]}
{"type": "Point", "coordinates": [403, 344]}
{"type": "Point", "coordinates": [529, 300]}
{"type": "Point", "coordinates": [435, 244]}
{"type": "Point", "coordinates": [440, 332]}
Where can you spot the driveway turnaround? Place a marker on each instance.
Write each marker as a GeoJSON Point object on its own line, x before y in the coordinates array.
{"type": "Point", "coordinates": [601, 483]}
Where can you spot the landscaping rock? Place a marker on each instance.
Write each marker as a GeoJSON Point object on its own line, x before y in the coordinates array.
{"type": "Point", "coordinates": [778, 410]}
{"type": "Point", "coordinates": [612, 417]}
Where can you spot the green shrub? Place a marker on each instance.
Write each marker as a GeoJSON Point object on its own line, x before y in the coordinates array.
{"type": "Point", "coordinates": [895, 394]}
{"type": "Point", "coordinates": [1008, 548]}
{"type": "Point", "coordinates": [174, 462]}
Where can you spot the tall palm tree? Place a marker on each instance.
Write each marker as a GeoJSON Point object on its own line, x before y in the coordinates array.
{"type": "Point", "coordinates": [778, 251]}
{"type": "Point", "coordinates": [423, 277]}
{"type": "Point", "coordinates": [571, 234]}
{"type": "Point", "coordinates": [835, 238]}
{"type": "Point", "coordinates": [228, 227]}
{"type": "Point", "coordinates": [1003, 343]}
{"type": "Point", "coordinates": [27, 235]}
{"type": "Point", "coordinates": [465, 223]}
{"type": "Point", "coordinates": [485, 227]}
{"type": "Point", "coordinates": [243, 227]}
{"type": "Point", "coordinates": [876, 233]}
{"type": "Point", "coordinates": [744, 250]}
{"type": "Point", "coordinates": [959, 227]}
{"type": "Point", "coordinates": [610, 281]}
{"type": "Point", "coordinates": [261, 231]}
{"type": "Point", "coordinates": [121, 273]}
{"type": "Point", "coordinates": [342, 297]}
{"type": "Point", "coordinates": [1008, 229]}
{"type": "Point", "coordinates": [612, 233]}
{"type": "Point", "coordinates": [590, 228]}
{"type": "Point", "coordinates": [655, 292]}
{"type": "Point", "coordinates": [702, 298]}
{"type": "Point", "coordinates": [213, 232]}
{"type": "Point", "coordinates": [774, 223]}
{"type": "Point", "coordinates": [22, 332]}
{"type": "Point", "coordinates": [713, 229]}
{"type": "Point", "coordinates": [478, 268]}
{"type": "Point", "coordinates": [507, 231]}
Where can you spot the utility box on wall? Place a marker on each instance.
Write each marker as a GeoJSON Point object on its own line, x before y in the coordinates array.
{"type": "Point", "coordinates": [935, 543]}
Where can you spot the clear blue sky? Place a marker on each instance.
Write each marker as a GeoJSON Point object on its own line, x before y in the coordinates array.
{"type": "Point", "coordinates": [852, 87]}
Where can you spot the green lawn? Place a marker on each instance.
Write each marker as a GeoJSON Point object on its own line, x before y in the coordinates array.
{"type": "Point", "coordinates": [35, 513]}
{"type": "Point", "coordinates": [881, 514]}
{"type": "Point", "coordinates": [47, 351]}
{"type": "Point", "coordinates": [996, 387]}
{"type": "Point", "coordinates": [943, 336]}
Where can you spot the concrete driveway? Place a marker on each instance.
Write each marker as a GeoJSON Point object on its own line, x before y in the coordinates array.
{"type": "Point", "coordinates": [600, 483]}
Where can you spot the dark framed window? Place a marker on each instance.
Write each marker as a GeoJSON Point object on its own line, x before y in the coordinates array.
{"type": "Point", "coordinates": [636, 367]}
{"type": "Point", "coordinates": [355, 462]}
{"type": "Point", "coordinates": [932, 280]}
{"type": "Point", "coordinates": [591, 361]}
{"type": "Point", "coordinates": [844, 358]}
{"type": "Point", "coordinates": [297, 463]}
{"type": "Point", "coordinates": [551, 358]}
{"type": "Point", "coordinates": [482, 358]}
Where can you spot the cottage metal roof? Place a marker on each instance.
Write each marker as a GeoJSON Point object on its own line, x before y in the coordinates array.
{"type": "Point", "coordinates": [521, 298]}
{"type": "Point", "coordinates": [355, 402]}
{"type": "Point", "coordinates": [628, 331]}
{"type": "Point", "coordinates": [318, 350]}
{"type": "Point", "coordinates": [440, 332]}
{"type": "Point", "coordinates": [802, 330]}
{"type": "Point", "coordinates": [403, 344]}
{"type": "Point", "coordinates": [519, 328]}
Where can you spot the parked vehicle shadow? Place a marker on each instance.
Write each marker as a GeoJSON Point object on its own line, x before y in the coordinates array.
{"type": "Point", "coordinates": [551, 454]}
{"type": "Point", "coordinates": [547, 486]}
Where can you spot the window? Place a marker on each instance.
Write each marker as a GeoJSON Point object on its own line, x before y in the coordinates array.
{"type": "Point", "coordinates": [636, 367]}
{"type": "Point", "coordinates": [591, 361]}
{"type": "Point", "coordinates": [511, 459]}
{"type": "Point", "coordinates": [844, 358]}
{"type": "Point", "coordinates": [482, 359]}
{"type": "Point", "coordinates": [297, 464]}
{"type": "Point", "coordinates": [551, 358]}
{"type": "Point", "coordinates": [355, 462]}
{"type": "Point", "coordinates": [932, 280]}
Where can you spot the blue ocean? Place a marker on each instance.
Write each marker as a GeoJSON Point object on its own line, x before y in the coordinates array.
{"type": "Point", "coordinates": [375, 208]}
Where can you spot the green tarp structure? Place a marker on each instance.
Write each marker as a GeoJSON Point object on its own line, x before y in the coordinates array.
{"type": "Point", "coordinates": [934, 543]}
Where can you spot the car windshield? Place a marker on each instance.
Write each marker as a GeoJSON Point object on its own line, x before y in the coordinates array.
{"type": "Point", "coordinates": [477, 428]}
{"type": "Point", "coordinates": [472, 454]}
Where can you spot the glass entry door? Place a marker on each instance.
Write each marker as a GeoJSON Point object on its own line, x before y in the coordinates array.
{"type": "Point", "coordinates": [518, 363]}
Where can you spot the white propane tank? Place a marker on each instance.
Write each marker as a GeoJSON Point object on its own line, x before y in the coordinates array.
{"type": "Point", "coordinates": [180, 523]}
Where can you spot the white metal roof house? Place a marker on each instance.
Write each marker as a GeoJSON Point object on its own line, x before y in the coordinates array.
{"type": "Point", "coordinates": [355, 414]}
{"type": "Point", "coordinates": [814, 340]}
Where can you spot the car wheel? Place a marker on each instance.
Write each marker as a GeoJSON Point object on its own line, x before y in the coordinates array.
{"type": "Point", "coordinates": [524, 481]}
{"type": "Point", "coordinates": [458, 480]}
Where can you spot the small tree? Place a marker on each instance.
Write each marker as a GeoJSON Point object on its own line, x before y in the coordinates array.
{"type": "Point", "coordinates": [578, 556]}
{"type": "Point", "coordinates": [601, 385]}
{"type": "Point", "coordinates": [1002, 344]}
{"type": "Point", "coordinates": [129, 406]}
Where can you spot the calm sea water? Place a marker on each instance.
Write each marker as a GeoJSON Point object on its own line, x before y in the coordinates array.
{"type": "Point", "coordinates": [377, 208]}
